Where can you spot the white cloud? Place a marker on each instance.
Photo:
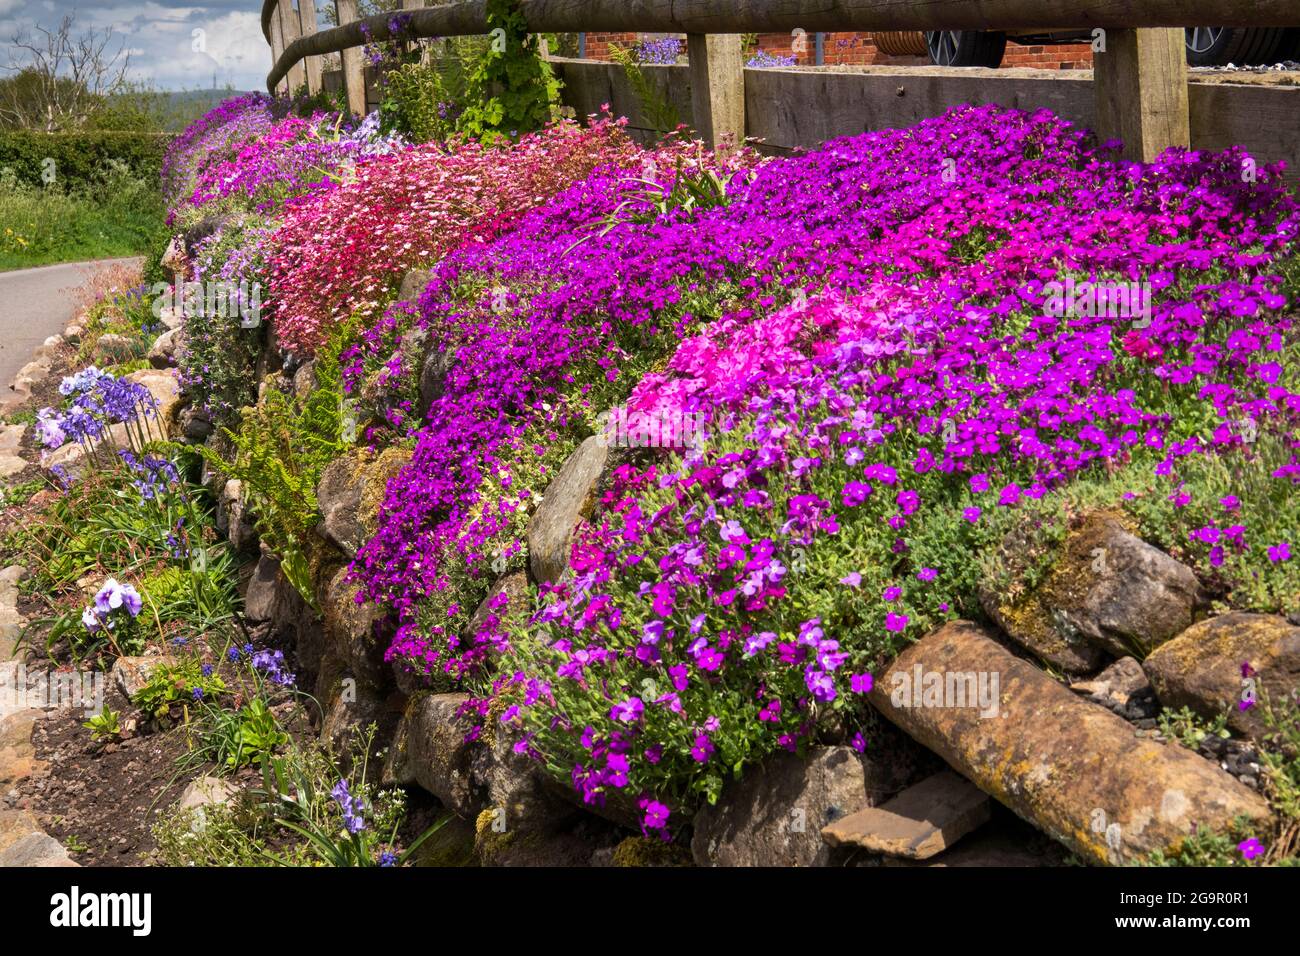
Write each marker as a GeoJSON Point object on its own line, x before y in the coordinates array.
{"type": "Point", "coordinates": [161, 41]}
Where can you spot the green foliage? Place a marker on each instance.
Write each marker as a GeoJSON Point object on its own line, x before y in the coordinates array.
{"type": "Point", "coordinates": [238, 738]}
{"type": "Point", "coordinates": [294, 820]}
{"type": "Point", "coordinates": [171, 687]}
{"type": "Point", "coordinates": [116, 214]}
{"type": "Point", "coordinates": [81, 159]}
{"type": "Point", "coordinates": [166, 544]}
{"type": "Point", "coordinates": [128, 313]}
{"type": "Point", "coordinates": [1206, 848]}
{"type": "Point", "coordinates": [1190, 729]}
{"type": "Point", "coordinates": [658, 109]}
{"type": "Point", "coordinates": [220, 353]}
{"type": "Point", "coordinates": [279, 452]}
{"type": "Point", "coordinates": [423, 98]}
{"type": "Point", "coordinates": [513, 91]}
{"type": "Point", "coordinates": [105, 725]}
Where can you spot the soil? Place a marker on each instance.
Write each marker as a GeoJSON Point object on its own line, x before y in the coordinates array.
{"type": "Point", "coordinates": [105, 799]}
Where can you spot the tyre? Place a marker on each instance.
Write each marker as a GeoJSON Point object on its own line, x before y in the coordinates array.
{"type": "Point", "coordinates": [1219, 46]}
{"type": "Point", "coordinates": [966, 47]}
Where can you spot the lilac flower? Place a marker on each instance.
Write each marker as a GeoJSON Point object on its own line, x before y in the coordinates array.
{"type": "Point", "coordinates": [113, 595]}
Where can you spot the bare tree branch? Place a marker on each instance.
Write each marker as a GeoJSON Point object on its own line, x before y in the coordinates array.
{"type": "Point", "coordinates": [60, 77]}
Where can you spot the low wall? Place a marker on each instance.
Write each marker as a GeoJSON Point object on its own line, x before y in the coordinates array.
{"type": "Point", "coordinates": [791, 108]}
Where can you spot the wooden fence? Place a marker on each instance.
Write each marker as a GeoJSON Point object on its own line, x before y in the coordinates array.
{"type": "Point", "coordinates": [1140, 80]}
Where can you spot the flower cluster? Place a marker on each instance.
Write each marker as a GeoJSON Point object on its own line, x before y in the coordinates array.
{"type": "Point", "coordinates": [96, 400]}
{"type": "Point", "coordinates": [352, 807]}
{"type": "Point", "coordinates": [115, 604]}
{"type": "Point", "coordinates": [271, 664]}
{"type": "Point", "coordinates": [344, 251]}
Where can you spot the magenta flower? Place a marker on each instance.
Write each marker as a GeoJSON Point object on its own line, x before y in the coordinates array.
{"type": "Point", "coordinates": [1251, 849]}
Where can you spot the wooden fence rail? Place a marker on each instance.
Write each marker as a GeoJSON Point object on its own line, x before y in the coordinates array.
{"type": "Point", "coordinates": [1140, 75]}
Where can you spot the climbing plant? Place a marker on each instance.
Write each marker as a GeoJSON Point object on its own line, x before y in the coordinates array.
{"type": "Point", "coordinates": [513, 90]}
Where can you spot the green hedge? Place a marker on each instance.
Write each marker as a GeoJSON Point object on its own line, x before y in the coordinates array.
{"type": "Point", "coordinates": [81, 158]}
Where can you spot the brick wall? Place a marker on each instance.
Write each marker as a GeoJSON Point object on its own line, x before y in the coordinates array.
{"type": "Point", "coordinates": [857, 49]}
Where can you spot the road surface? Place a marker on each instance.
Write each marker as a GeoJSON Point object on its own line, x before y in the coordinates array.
{"type": "Point", "coordinates": [35, 304]}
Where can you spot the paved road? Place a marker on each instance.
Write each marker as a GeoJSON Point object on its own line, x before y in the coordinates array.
{"type": "Point", "coordinates": [35, 304]}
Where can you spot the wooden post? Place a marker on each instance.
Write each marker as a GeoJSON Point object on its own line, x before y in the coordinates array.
{"type": "Point", "coordinates": [1141, 87]}
{"type": "Point", "coordinates": [291, 30]}
{"type": "Point", "coordinates": [277, 47]}
{"type": "Point", "coordinates": [354, 79]}
{"type": "Point", "coordinates": [717, 88]}
{"type": "Point", "coordinates": [307, 20]}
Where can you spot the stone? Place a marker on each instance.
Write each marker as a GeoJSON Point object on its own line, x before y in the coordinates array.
{"type": "Point", "coordinates": [352, 707]}
{"type": "Point", "coordinates": [472, 777]}
{"type": "Point", "coordinates": [36, 849]}
{"type": "Point", "coordinates": [1108, 591]}
{"type": "Point", "coordinates": [429, 749]}
{"type": "Point", "coordinates": [195, 425]}
{"type": "Point", "coordinates": [111, 348]}
{"type": "Point", "coordinates": [433, 378]}
{"type": "Point", "coordinates": [33, 373]}
{"type": "Point", "coordinates": [270, 597]}
{"type": "Point", "coordinates": [350, 493]}
{"type": "Point", "coordinates": [203, 792]}
{"type": "Point", "coordinates": [513, 786]}
{"type": "Point", "coordinates": [304, 380]}
{"type": "Point", "coordinates": [17, 755]}
{"type": "Point", "coordinates": [11, 438]}
{"type": "Point", "coordinates": [451, 845]}
{"type": "Point", "coordinates": [1202, 668]}
{"type": "Point", "coordinates": [162, 354]}
{"type": "Point", "coordinates": [11, 465]}
{"type": "Point", "coordinates": [568, 499]}
{"type": "Point", "coordinates": [14, 825]}
{"type": "Point", "coordinates": [774, 815]}
{"type": "Point", "coordinates": [73, 333]}
{"type": "Point", "coordinates": [922, 821]}
{"type": "Point", "coordinates": [163, 387]}
{"type": "Point", "coordinates": [1075, 770]}
{"type": "Point", "coordinates": [174, 258]}
{"type": "Point", "coordinates": [12, 625]}
{"type": "Point", "coordinates": [1122, 688]}
{"type": "Point", "coordinates": [350, 630]}
{"type": "Point", "coordinates": [234, 518]}
{"type": "Point", "coordinates": [171, 317]}
{"type": "Point", "coordinates": [130, 674]}
{"type": "Point", "coordinates": [413, 284]}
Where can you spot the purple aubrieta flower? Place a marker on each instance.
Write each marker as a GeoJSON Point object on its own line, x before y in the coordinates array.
{"type": "Point", "coordinates": [1250, 849]}
{"type": "Point", "coordinates": [628, 711]}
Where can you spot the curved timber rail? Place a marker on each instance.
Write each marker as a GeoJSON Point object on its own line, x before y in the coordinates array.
{"type": "Point", "coordinates": [1140, 72]}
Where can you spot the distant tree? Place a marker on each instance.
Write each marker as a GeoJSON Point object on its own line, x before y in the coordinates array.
{"type": "Point", "coordinates": [61, 77]}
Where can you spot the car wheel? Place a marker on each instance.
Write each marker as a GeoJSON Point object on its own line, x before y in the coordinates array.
{"type": "Point", "coordinates": [966, 47]}
{"type": "Point", "coordinates": [1219, 46]}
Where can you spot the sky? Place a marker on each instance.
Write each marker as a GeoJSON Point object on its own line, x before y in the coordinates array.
{"type": "Point", "coordinates": [166, 53]}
